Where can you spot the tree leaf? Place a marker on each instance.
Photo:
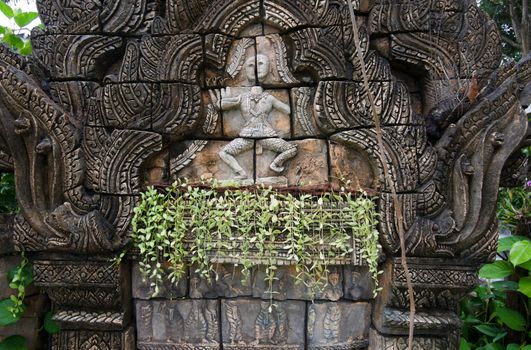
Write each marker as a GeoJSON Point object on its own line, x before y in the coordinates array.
{"type": "Point", "coordinates": [498, 269]}
{"type": "Point", "coordinates": [463, 344]}
{"type": "Point", "coordinates": [506, 243]}
{"type": "Point", "coordinates": [524, 286]}
{"type": "Point", "coordinates": [505, 285]}
{"type": "Point", "coordinates": [27, 49]}
{"type": "Point", "coordinates": [513, 347]}
{"type": "Point", "coordinates": [520, 252]}
{"type": "Point", "coordinates": [13, 40]}
{"type": "Point", "coordinates": [491, 331]}
{"type": "Point", "coordinates": [511, 318]}
{"type": "Point", "coordinates": [526, 265]}
{"type": "Point", "coordinates": [50, 325]}
{"type": "Point", "coordinates": [22, 19]}
{"type": "Point", "coordinates": [14, 342]}
{"type": "Point", "coordinates": [6, 316]}
{"type": "Point", "coordinates": [6, 9]}
{"type": "Point", "coordinates": [493, 346]}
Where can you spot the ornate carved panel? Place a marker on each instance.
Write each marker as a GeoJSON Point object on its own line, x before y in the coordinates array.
{"type": "Point", "coordinates": [123, 94]}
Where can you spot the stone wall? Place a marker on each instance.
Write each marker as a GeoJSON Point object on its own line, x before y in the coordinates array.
{"type": "Point", "coordinates": [123, 94]}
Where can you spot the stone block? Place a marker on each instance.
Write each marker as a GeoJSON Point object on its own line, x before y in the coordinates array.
{"type": "Point", "coordinates": [338, 325]}
{"type": "Point", "coordinates": [200, 159]}
{"type": "Point", "coordinates": [234, 122]}
{"type": "Point", "coordinates": [179, 324]}
{"type": "Point", "coordinates": [285, 286]}
{"type": "Point", "coordinates": [255, 324]}
{"type": "Point", "coordinates": [358, 283]}
{"type": "Point", "coordinates": [272, 62]}
{"type": "Point", "coordinates": [157, 169]}
{"type": "Point", "coordinates": [227, 281]}
{"type": "Point", "coordinates": [143, 288]}
{"type": "Point", "coordinates": [308, 167]}
{"type": "Point", "coordinates": [125, 105]}
{"type": "Point", "coordinates": [304, 123]}
{"type": "Point", "coordinates": [351, 164]}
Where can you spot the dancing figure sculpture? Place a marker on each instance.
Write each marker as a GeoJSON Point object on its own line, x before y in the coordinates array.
{"type": "Point", "coordinates": [256, 107]}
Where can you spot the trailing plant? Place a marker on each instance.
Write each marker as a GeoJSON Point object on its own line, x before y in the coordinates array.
{"type": "Point", "coordinates": [202, 225]}
{"type": "Point", "coordinates": [497, 314]}
{"type": "Point", "coordinates": [12, 308]}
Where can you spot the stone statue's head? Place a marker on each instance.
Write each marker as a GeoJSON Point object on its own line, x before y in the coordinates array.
{"type": "Point", "coordinates": [261, 66]}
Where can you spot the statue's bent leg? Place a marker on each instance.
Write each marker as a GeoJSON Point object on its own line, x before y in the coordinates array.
{"type": "Point", "coordinates": [234, 148]}
{"type": "Point", "coordinates": [286, 149]}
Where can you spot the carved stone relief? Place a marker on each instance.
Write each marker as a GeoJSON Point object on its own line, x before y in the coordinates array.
{"type": "Point", "coordinates": [123, 94]}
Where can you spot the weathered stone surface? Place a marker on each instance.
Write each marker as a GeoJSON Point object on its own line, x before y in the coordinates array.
{"type": "Point", "coordinates": [308, 167]}
{"type": "Point", "coordinates": [81, 339]}
{"type": "Point", "coordinates": [207, 163]}
{"type": "Point", "coordinates": [351, 165]}
{"type": "Point", "coordinates": [178, 323]}
{"type": "Point", "coordinates": [304, 123]}
{"type": "Point", "coordinates": [227, 281]}
{"type": "Point", "coordinates": [287, 286]}
{"type": "Point", "coordinates": [338, 325]}
{"type": "Point", "coordinates": [255, 324]}
{"type": "Point", "coordinates": [143, 287]}
{"type": "Point", "coordinates": [358, 283]}
{"type": "Point", "coordinates": [234, 122]}
{"type": "Point", "coordinates": [283, 287]}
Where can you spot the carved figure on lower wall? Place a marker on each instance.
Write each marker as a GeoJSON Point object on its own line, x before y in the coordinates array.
{"type": "Point", "coordinates": [234, 320]}
{"type": "Point", "coordinates": [174, 324]}
{"type": "Point", "coordinates": [146, 320]}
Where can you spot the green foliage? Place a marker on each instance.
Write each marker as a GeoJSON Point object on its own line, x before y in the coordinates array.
{"type": "Point", "coordinates": [199, 225]}
{"type": "Point", "coordinates": [13, 35]}
{"type": "Point", "coordinates": [497, 314]}
{"type": "Point", "coordinates": [50, 325]}
{"type": "Point", "coordinates": [19, 278]}
{"type": "Point", "coordinates": [8, 199]}
{"type": "Point", "coordinates": [499, 11]}
{"type": "Point", "coordinates": [12, 308]}
{"type": "Point", "coordinates": [14, 342]}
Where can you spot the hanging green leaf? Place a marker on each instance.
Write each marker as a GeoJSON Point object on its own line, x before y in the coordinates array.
{"type": "Point", "coordinates": [6, 315]}
{"type": "Point", "coordinates": [6, 9]}
{"type": "Point", "coordinates": [22, 19]}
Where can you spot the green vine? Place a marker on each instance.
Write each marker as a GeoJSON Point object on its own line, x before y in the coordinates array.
{"type": "Point", "coordinates": [202, 225]}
